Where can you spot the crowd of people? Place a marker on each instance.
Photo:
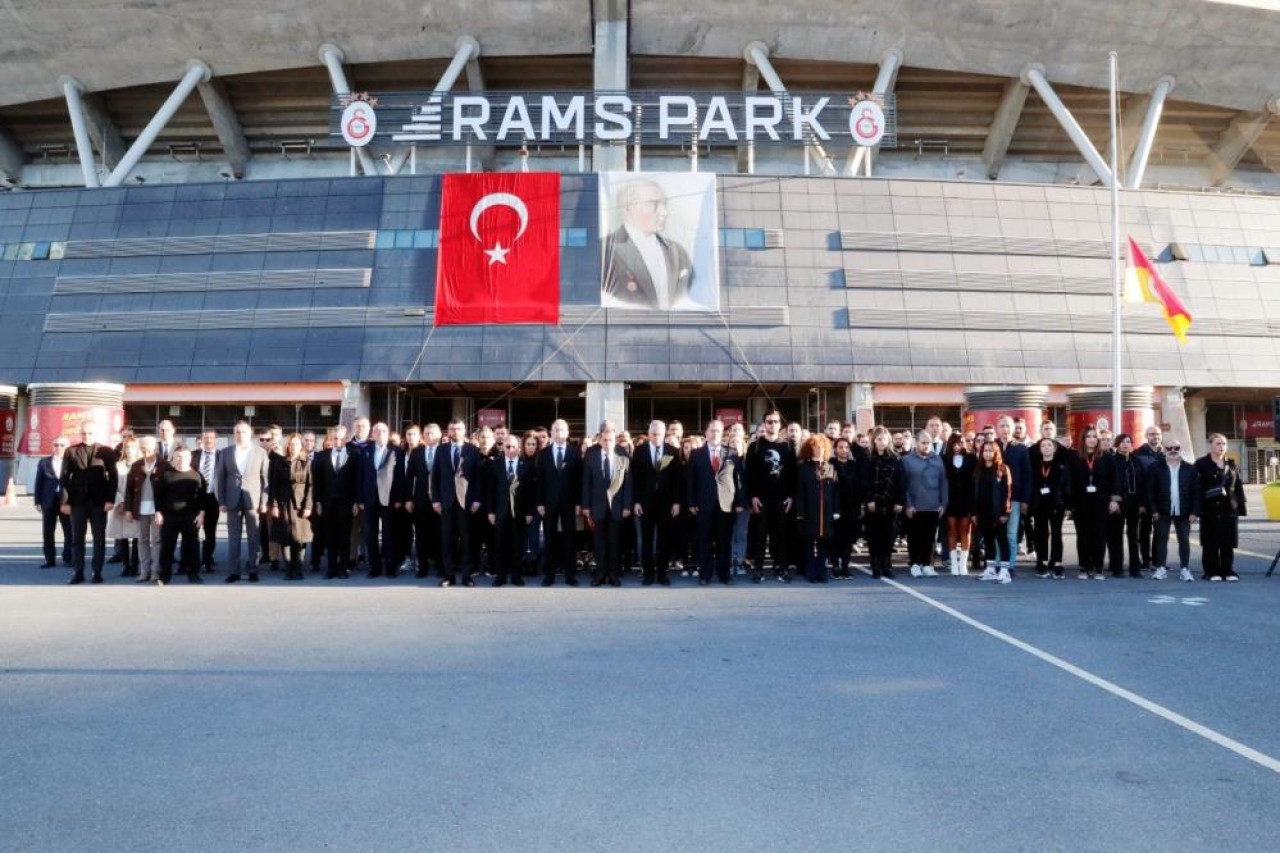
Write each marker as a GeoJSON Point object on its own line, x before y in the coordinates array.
{"type": "Point", "coordinates": [776, 502]}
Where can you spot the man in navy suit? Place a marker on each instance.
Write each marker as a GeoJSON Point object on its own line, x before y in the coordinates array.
{"type": "Point", "coordinates": [655, 467]}
{"type": "Point", "coordinates": [456, 491]}
{"type": "Point", "coordinates": [559, 480]}
{"type": "Point", "coordinates": [607, 500]}
{"type": "Point", "coordinates": [48, 495]}
{"type": "Point", "coordinates": [510, 506]}
{"type": "Point", "coordinates": [426, 521]}
{"type": "Point", "coordinates": [714, 497]}
{"type": "Point", "coordinates": [379, 486]}
{"type": "Point", "coordinates": [333, 475]}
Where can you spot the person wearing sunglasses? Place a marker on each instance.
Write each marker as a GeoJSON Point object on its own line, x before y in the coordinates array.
{"type": "Point", "coordinates": [1173, 500]}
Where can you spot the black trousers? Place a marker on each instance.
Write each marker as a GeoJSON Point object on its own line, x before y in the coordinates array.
{"type": "Point", "coordinates": [880, 532]}
{"type": "Point", "coordinates": [1123, 527]}
{"type": "Point", "coordinates": [773, 533]}
{"type": "Point", "coordinates": [714, 532]}
{"type": "Point", "coordinates": [179, 525]}
{"type": "Point", "coordinates": [209, 506]}
{"type": "Point", "coordinates": [995, 536]}
{"type": "Point", "coordinates": [1218, 535]}
{"type": "Point", "coordinates": [481, 542]}
{"type": "Point", "coordinates": [815, 557]}
{"type": "Point", "coordinates": [1091, 521]}
{"type": "Point", "coordinates": [1160, 540]}
{"type": "Point", "coordinates": [1047, 527]}
{"type": "Point", "coordinates": [655, 527]}
{"type": "Point", "coordinates": [557, 552]}
{"type": "Point", "coordinates": [337, 525]}
{"type": "Point", "coordinates": [508, 547]}
{"type": "Point", "coordinates": [83, 520]}
{"type": "Point", "coordinates": [51, 520]}
{"type": "Point", "coordinates": [922, 532]}
{"type": "Point", "coordinates": [426, 534]}
{"type": "Point", "coordinates": [379, 538]}
{"type": "Point", "coordinates": [607, 547]}
{"type": "Point", "coordinates": [319, 541]}
{"type": "Point", "coordinates": [1146, 535]}
{"type": "Point", "coordinates": [455, 542]}
{"type": "Point", "coordinates": [402, 530]}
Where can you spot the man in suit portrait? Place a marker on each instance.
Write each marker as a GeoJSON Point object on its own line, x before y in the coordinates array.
{"type": "Point", "coordinates": [241, 474]}
{"type": "Point", "coordinates": [643, 268]}
{"type": "Point", "coordinates": [606, 502]}
{"type": "Point", "coordinates": [48, 495]}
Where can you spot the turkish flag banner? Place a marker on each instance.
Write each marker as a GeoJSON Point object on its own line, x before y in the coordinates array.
{"type": "Point", "coordinates": [499, 255]}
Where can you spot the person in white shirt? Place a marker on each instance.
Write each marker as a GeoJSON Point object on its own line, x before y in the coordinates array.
{"type": "Point", "coordinates": [140, 506]}
{"type": "Point", "coordinates": [47, 492]}
{"type": "Point", "coordinates": [644, 269]}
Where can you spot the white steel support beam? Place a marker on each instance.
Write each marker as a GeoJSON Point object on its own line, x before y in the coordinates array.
{"type": "Point", "coordinates": [1003, 126]}
{"type": "Point", "coordinates": [11, 158]}
{"type": "Point", "coordinates": [197, 72]}
{"type": "Point", "coordinates": [332, 56]}
{"type": "Point", "coordinates": [610, 71]}
{"type": "Point", "coordinates": [226, 125]}
{"type": "Point", "coordinates": [750, 85]}
{"type": "Point", "coordinates": [886, 79]}
{"type": "Point", "coordinates": [72, 90]}
{"type": "Point", "coordinates": [102, 130]}
{"type": "Point", "coordinates": [1033, 75]}
{"type": "Point", "coordinates": [1142, 151]}
{"type": "Point", "coordinates": [757, 53]}
{"type": "Point", "coordinates": [1237, 139]}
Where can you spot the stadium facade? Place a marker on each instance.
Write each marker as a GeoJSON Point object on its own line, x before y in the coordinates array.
{"type": "Point", "coordinates": [185, 219]}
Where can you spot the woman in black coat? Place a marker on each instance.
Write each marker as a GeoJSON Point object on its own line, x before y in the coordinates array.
{"type": "Point", "coordinates": [1127, 499]}
{"type": "Point", "coordinates": [883, 488]}
{"type": "Point", "coordinates": [1091, 476]}
{"type": "Point", "coordinates": [817, 506]}
{"type": "Point", "coordinates": [960, 465]}
{"type": "Point", "coordinates": [992, 495]}
{"type": "Point", "coordinates": [1050, 502]}
{"type": "Point", "coordinates": [849, 526]}
{"type": "Point", "coordinates": [1222, 503]}
{"type": "Point", "coordinates": [291, 500]}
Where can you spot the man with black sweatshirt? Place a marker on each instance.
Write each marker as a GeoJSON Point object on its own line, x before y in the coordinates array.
{"type": "Point", "coordinates": [771, 489]}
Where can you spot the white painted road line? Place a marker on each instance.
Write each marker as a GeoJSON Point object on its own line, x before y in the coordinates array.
{"type": "Point", "coordinates": [1084, 675]}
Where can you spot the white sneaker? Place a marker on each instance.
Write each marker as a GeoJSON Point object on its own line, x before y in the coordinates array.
{"type": "Point", "coordinates": [1185, 575]}
{"type": "Point", "coordinates": [1159, 574]}
{"type": "Point", "coordinates": [1215, 579]}
{"type": "Point", "coordinates": [1099, 576]}
{"type": "Point", "coordinates": [1004, 576]}
{"type": "Point", "coordinates": [1233, 578]}
{"type": "Point", "coordinates": [1082, 576]}
{"type": "Point", "coordinates": [915, 570]}
{"type": "Point", "coordinates": [928, 571]}
{"type": "Point", "coordinates": [988, 574]}
{"type": "Point", "coordinates": [962, 564]}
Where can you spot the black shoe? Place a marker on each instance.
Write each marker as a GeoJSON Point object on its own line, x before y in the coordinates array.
{"type": "Point", "coordinates": [275, 565]}
{"type": "Point", "coordinates": [392, 573]}
{"type": "Point", "coordinates": [597, 582]}
{"type": "Point", "coordinates": [548, 581]}
{"type": "Point", "coordinates": [886, 573]}
{"type": "Point", "coordinates": [615, 582]}
{"type": "Point", "coordinates": [647, 582]}
{"type": "Point", "coordinates": [446, 582]}
{"type": "Point", "coordinates": [48, 565]}
{"type": "Point", "coordinates": [194, 577]}
{"type": "Point", "coordinates": [703, 582]}
{"type": "Point", "coordinates": [116, 558]}
{"type": "Point", "coordinates": [664, 580]}
{"type": "Point", "coordinates": [375, 573]}
{"type": "Point", "coordinates": [469, 580]}
{"type": "Point", "coordinates": [232, 578]}
{"type": "Point", "coordinates": [420, 574]}
{"type": "Point", "coordinates": [207, 568]}
{"type": "Point", "coordinates": [500, 580]}
{"type": "Point", "coordinates": [727, 581]}
{"type": "Point", "coordinates": [516, 580]}
{"type": "Point", "coordinates": [97, 578]}
{"type": "Point", "coordinates": [1137, 575]}
{"type": "Point", "coordinates": [875, 573]}
{"type": "Point", "coordinates": [571, 581]}
{"type": "Point", "coordinates": [78, 577]}
{"type": "Point", "coordinates": [253, 577]}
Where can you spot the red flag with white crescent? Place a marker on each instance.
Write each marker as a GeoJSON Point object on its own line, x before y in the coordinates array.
{"type": "Point", "coordinates": [499, 253]}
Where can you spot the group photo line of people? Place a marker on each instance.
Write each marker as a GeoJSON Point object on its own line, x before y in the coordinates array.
{"type": "Point", "coordinates": [776, 502]}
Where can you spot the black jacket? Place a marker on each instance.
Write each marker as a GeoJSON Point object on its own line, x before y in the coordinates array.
{"type": "Point", "coordinates": [89, 476]}
{"type": "Point", "coordinates": [656, 489]}
{"type": "Point", "coordinates": [1099, 476]}
{"type": "Point", "coordinates": [499, 497]}
{"type": "Point", "coordinates": [1221, 490]}
{"type": "Point", "coordinates": [1158, 490]}
{"type": "Point", "coordinates": [47, 491]}
{"type": "Point", "coordinates": [335, 491]}
{"type": "Point", "coordinates": [1055, 476]}
{"type": "Point", "coordinates": [771, 470]}
{"type": "Point", "coordinates": [883, 482]}
{"type": "Point", "coordinates": [1128, 484]}
{"type": "Point", "coordinates": [817, 502]}
{"type": "Point", "coordinates": [992, 494]}
{"type": "Point", "coordinates": [444, 490]}
{"type": "Point", "coordinates": [960, 485]}
{"type": "Point", "coordinates": [559, 489]}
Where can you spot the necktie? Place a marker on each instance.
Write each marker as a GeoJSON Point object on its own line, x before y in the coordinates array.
{"type": "Point", "coordinates": [559, 458]}
{"type": "Point", "coordinates": [340, 459]}
{"type": "Point", "coordinates": [607, 478]}
{"type": "Point", "coordinates": [657, 452]}
{"type": "Point", "coordinates": [715, 460]}
{"type": "Point", "coordinates": [206, 468]}
{"type": "Point", "coordinates": [457, 454]}
{"type": "Point", "coordinates": [511, 471]}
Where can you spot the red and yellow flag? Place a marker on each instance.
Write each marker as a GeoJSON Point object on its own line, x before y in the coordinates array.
{"type": "Point", "coordinates": [1143, 284]}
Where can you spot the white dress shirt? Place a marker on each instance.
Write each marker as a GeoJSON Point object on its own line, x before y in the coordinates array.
{"type": "Point", "coordinates": [242, 458]}
{"type": "Point", "coordinates": [655, 260]}
{"type": "Point", "coordinates": [1173, 490]}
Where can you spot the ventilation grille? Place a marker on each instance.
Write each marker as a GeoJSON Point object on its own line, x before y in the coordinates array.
{"type": "Point", "coordinates": [972, 244]}
{"type": "Point", "coordinates": [76, 394]}
{"type": "Point", "coordinates": [979, 281]}
{"type": "Point", "coordinates": [216, 281]}
{"type": "Point", "coordinates": [307, 241]}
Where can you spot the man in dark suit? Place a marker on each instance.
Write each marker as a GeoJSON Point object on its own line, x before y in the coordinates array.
{"type": "Point", "coordinates": [655, 473]}
{"type": "Point", "coordinates": [426, 521]}
{"type": "Point", "coordinates": [379, 482]}
{"type": "Point", "coordinates": [242, 472]}
{"type": "Point", "coordinates": [89, 484]}
{"type": "Point", "coordinates": [333, 475]}
{"type": "Point", "coordinates": [48, 495]}
{"type": "Point", "coordinates": [165, 440]}
{"type": "Point", "coordinates": [1173, 500]}
{"type": "Point", "coordinates": [1150, 454]}
{"type": "Point", "coordinates": [714, 498]}
{"type": "Point", "coordinates": [510, 505]}
{"type": "Point", "coordinates": [205, 460]}
{"type": "Point", "coordinates": [607, 501]}
{"type": "Point", "coordinates": [643, 269]}
{"type": "Point", "coordinates": [559, 478]}
{"type": "Point", "coordinates": [456, 495]}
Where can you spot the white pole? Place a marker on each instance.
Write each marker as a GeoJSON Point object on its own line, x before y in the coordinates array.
{"type": "Point", "coordinates": [197, 72]}
{"type": "Point", "coordinates": [84, 148]}
{"type": "Point", "coordinates": [1117, 332]}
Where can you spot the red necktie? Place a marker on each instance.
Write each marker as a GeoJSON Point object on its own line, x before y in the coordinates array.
{"type": "Point", "coordinates": [715, 461]}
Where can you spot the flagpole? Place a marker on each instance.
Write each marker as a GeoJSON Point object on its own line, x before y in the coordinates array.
{"type": "Point", "coordinates": [1116, 330]}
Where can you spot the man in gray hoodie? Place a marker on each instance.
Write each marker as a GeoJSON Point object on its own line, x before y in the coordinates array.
{"type": "Point", "coordinates": [926, 481]}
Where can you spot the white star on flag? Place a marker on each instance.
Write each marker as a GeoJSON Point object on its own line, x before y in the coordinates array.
{"type": "Point", "coordinates": [497, 255]}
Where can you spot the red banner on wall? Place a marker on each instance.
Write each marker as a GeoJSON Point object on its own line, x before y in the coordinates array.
{"type": "Point", "coordinates": [1258, 424]}
{"type": "Point", "coordinates": [45, 423]}
{"type": "Point", "coordinates": [975, 420]}
{"type": "Point", "coordinates": [730, 417]}
{"type": "Point", "coordinates": [1132, 421]}
{"type": "Point", "coordinates": [491, 417]}
{"type": "Point", "coordinates": [499, 255]}
{"type": "Point", "coordinates": [8, 432]}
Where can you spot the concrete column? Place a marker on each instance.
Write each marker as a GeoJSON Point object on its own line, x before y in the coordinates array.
{"type": "Point", "coordinates": [1173, 418]}
{"type": "Point", "coordinates": [610, 74]}
{"type": "Point", "coordinates": [1197, 426]}
{"type": "Point", "coordinates": [356, 401]}
{"type": "Point", "coordinates": [1237, 139]}
{"type": "Point", "coordinates": [756, 407]}
{"type": "Point", "coordinates": [11, 157]}
{"type": "Point", "coordinates": [461, 410]}
{"type": "Point", "coordinates": [606, 401]}
{"type": "Point", "coordinates": [862, 405]}
{"type": "Point", "coordinates": [1003, 126]}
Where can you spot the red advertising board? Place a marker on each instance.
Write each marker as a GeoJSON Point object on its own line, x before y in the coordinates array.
{"type": "Point", "coordinates": [8, 431]}
{"type": "Point", "coordinates": [45, 423]}
{"type": "Point", "coordinates": [976, 419]}
{"type": "Point", "coordinates": [491, 417]}
{"type": "Point", "coordinates": [730, 417]}
{"type": "Point", "coordinates": [1132, 421]}
{"type": "Point", "coordinates": [1258, 424]}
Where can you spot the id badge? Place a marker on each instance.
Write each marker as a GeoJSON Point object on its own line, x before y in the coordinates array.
{"type": "Point", "coordinates": [1044, 490]}
{"type": "Point", "coordinates": [1091, 489]}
